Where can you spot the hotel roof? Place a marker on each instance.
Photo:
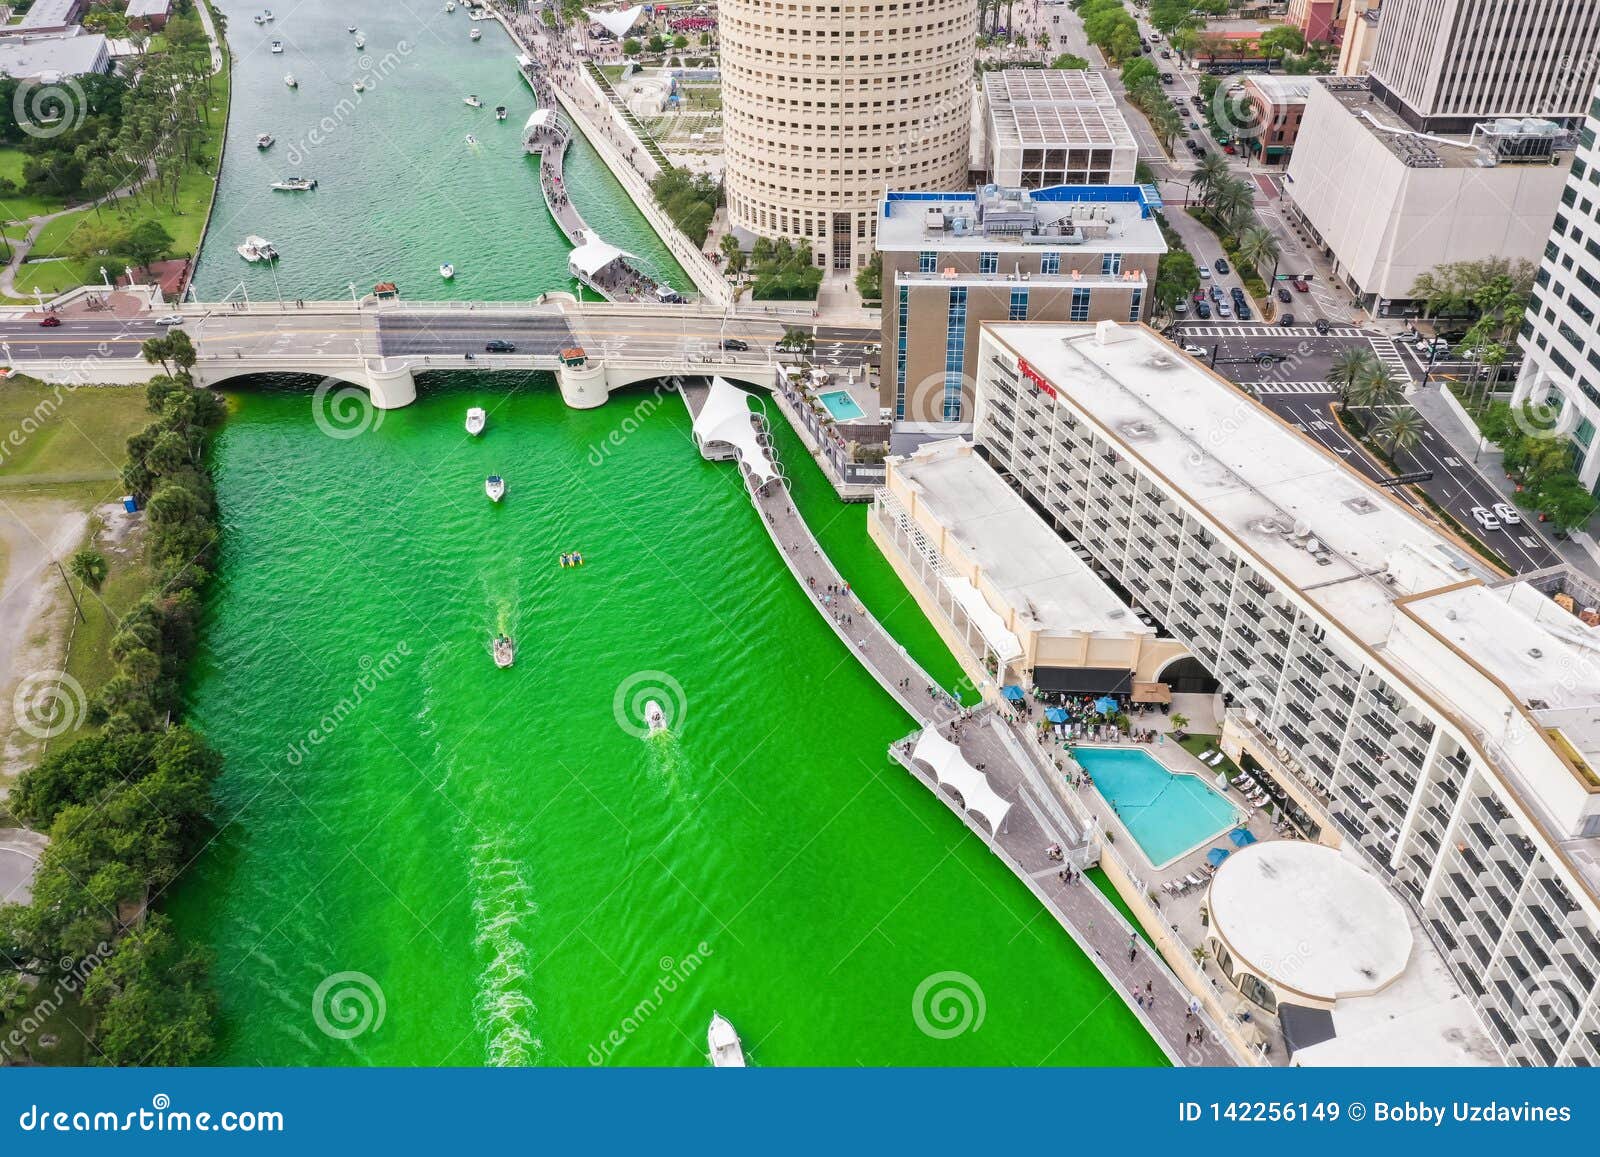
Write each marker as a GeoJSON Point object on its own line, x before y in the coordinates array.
{"type": "Point", "coordinates": [1099, 218]}
{"type": "Point", "coordinates": [1043, 108]}
{"type": "Point", "coordinates": [1022, 558]}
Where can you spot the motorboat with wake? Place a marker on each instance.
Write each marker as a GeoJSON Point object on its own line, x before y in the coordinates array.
{"type": "Point", "coordinates": [477, 419]}
{"type": "Point", "coordinates": [726, 1050]}
{"type": "Point", "coordinates": [295, 184]}
{"type": "Point", "coordinates": [360, 86]}
{"type": "Point", "coordinates": [471, 101]}
{"type": "Point", "coordinates": [472, 141]}
{"type": "Point", "coordinates": [655, 718]}
{"type": "Point", "coordinates": [505, 652]}
{"type": "Point", "coordinates": [361, 42]}
{"type": "Point", "coordinates": [447, 271]}
{"type": "Point", "coordinates": [499, 112]}
{"type": "Point", "coordinates": [495, 487]}
{"type": "Point", "coordinates": [288, 79]}
{"type": "Point", "coordinates": [264, 140]}
{"type": "Point", "coordinates": [255, 248]}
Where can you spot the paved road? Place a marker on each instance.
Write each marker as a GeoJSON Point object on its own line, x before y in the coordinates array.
{"type": "Point", "coordinates": [89, 337]}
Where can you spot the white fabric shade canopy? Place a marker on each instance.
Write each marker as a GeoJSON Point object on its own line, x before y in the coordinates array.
{"type": "Point", "coordinates": [594, 255]}
{"type": "Point", "coordinates": [725, 417]}
{"type": "Point", "coordinates": [616, 23]}
{"type": "Point", "coordinates": [991, 626]}
{"type": "Point", "coordinates": [951, 769]}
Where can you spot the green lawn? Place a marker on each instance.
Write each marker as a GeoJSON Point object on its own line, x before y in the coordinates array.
{"type": "Point", "coordinates": [77, 435]}
{"type": "Point", "coordinates": [89, 661]}
{"type": "Point", "coordinates": [1195, 743]}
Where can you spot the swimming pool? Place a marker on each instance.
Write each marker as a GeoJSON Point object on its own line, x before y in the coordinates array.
{"type": "Point", "coordinates": [1167, 812]}
{"type": "Point", "coordinates": [842, 406]}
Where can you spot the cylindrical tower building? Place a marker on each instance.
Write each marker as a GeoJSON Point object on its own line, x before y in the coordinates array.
{"type": "Point", "coordinates": [827, 105]}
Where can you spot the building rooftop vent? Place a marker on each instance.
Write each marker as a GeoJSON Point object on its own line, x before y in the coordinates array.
{"type": "Point", "coordinates": [1361, 504]}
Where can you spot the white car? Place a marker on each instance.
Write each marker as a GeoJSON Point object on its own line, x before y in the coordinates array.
{"type": "Point", "coordinates": [170, 319]}
{"type": "Point", "coordinates": [1205, 272]}
{"type": "Point", "coordinates": [1485, 519]}
{"type": "Point", "coordinates": [1507, 514]}
{"type": "Point", "coordinates": [1223, 309]}
{"type": "Point", "coordinates": [1193, 351]}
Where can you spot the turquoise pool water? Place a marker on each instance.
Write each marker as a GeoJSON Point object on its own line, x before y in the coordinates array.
{"type": "Point", "coordinates": [1167, 813]}
{"type": "Point", "coordinates": [842, 406]}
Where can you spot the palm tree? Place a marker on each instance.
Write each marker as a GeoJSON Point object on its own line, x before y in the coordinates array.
{"type": "Point", "coordinates": [1400, 429]}
{"type": "Point", "coordinates": [1351, 366]}
{"type": "Point", "coordinates": [1257, 246]}
{"type": "Point", "coordinates": [1232, 202]}
{"type": "Point", "coordinates": [1167, 124]}
{"type": "Point", "coordinates": [1210, 172]}
{"type": "Point", "coordinates": [1371, 391]}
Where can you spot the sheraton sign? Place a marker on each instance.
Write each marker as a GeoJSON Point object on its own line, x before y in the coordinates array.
{"type": "Point", "coordinates": [1035, 377]}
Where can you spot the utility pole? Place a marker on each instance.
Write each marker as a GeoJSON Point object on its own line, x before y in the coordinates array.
{"type": "Point", "coordinates": [82, 618]}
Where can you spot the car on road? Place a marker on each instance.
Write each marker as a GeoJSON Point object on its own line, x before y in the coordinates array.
{"type": "Point", "coordinates": [1194, 124]}
{"type": "Point", "coordinates": [49, 321]}
{"type": "Point", "coordinates": [1203, 311]}
{"type": "Point", "coordinates": [1205, 273]}
{"type": "Point", "coordinates": [1220, 265]}
{"type": "Point", "coordinates": [733, 343]}
{"type": "Point", "coordinates": [1166, 54]}
{"type": "Point", "coordinates": [1242, 310]}
{"type": "Point", "coordinates": [1322, 325]}
{"type": "Point", "coordinates": [1223, 310]}
{"type": "Point", "coordinates": [170, 319]}
{"type": "Point", "coordinates": [1507, 514]}
{"type": "Point", "coordinates": [1193, 350]}
{"type": "Point", "coordinates": [499, 345]}
{"type": "Point", "coordinates": [1166, 78]}
{"type": "Point", "coordinates": [1216, 293]}
{"type": "Point", "coordinates": [1286, 320]}
{"type": "Point", "coordinates": [1300, 285]}
{"type": "Point", "coordinates": [1181, 308]}
{"type": "Point", "coordinates": [1485, 518]}
{"type": "Point", "coordinates": [1283, 295]}
{"type": "Point", "coordinates": [1230, 150]}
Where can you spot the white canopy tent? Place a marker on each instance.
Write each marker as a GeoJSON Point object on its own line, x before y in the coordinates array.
{"type": "Point", "coordinates": [593, 255]}
{"type": "Point", "coordinates": [1005, 645]}
{"type": "Point", "coordinates": [951, 769]}
{"type": "Point", "coordinates": [725, 417]}
{"type": "Point", "coordinates": [616, 23]}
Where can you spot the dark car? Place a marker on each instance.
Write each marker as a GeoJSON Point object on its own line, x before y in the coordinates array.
{"type": "Point", "coordinates": [1322, 325]}
{"type": "Point", "coordinates": [733, 343]}
{"type": "Point", "coordinates": [1166, 78]}
{"type": "Point", "coordinates": [1238, 294]}
{"type": "Point", "coordinates": [1203, 309]}
{"type": "Point", "coordinates": [1283, 295]}
{"type": "Point", "coordinates": [1286, 319]}
{"type": "Point", "coordinates": [1220, 265]}
{"type": "Point", "coordinates": [500, 346]}
{"type": "Point", "coordinates": [1243, 310]}
{"type": "Point", "coordinates": [49, 321]}
{"type": "Point", "coordinates": [1216, 293]}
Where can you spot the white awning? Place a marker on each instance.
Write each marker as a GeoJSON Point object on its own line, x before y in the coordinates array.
{"type": "Point", "coordinates": [541, 118]}
{"type": "Point", "coordinates": [991, 626]}
{"type": "Point", "coordinates": [725, 417]}
{"type": "Point", "coordinates": [616, 23]}
{"type": "Point", "coordinates": [594, 255]}
{"type": "Point", "coordinates": [951, 769]}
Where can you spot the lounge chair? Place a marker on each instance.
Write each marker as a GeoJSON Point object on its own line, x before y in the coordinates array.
{"type": "Point", "coordinates": [1218, 758]}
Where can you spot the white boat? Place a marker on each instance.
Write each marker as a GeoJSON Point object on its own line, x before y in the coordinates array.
{"type": "Point", "coordinates": [655, 717]}
{"type": "Point", "coordinates": [277, 46]}
{"type": "Point", "coordinates": [266, 14]}
{"type": "Point", "coordinates": [255, 248]}
{"type": "Point", "coordinates": [475, 34]}
{"type": "Point", "coordinates": [472, 101]}
{"type": "Point", "coordinates": [476, 420]}
{"type": "Point", "coordinates": [361, 41]}
{"type": "Point", "coordinates": [260, 20]}
{"type": "Point", "coordinates": [350, 28]}
{"type": "Point", "coordinates": [264, 140]}
{"type": "Point", "coordinates": [288, 79]}
{"type": "Point", "coordinates": [295, 184]}
{"type": "Point", "coordinates": [451, 6]}
{"type": "Point", "coordinates": [495, 487]}
{"type": "Point", "coordinates": [499, 112]}
{"type": "Point", "coordinates": [726, 1051]}
{"type": "Point", "coordinates": [504, 651]}
{"type": "Point", "coordinates": [360, 86]}
{"type": "Point", "coordinates": [472, 140]}
{"type": "Point", "coordinates": [447, 271]}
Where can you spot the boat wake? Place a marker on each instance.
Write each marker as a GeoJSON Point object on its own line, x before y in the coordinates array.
{"type": "Point", "coordinates": [502, 908]}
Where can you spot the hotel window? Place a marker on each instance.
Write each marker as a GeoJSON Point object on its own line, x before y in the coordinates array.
{"type": "Point", "coordinates": [900, 355]}
{"type": "Point", "coordinates": [955, 353]}
{"type": "Point", "coordinates": [1019, 305]}
{"type": "Point", "coordinates": [988, 263]}
{"type": "Point", "coordinates": [927, 261]}
{"type": "Point", "coordinates": [1111, 264]}
{"type": "Point", "coordinates": [1080, 305]}
{"type": "Point", "coordinates": [1050, 263]}
{"type": "Point", "coordinates": [1138, 301]}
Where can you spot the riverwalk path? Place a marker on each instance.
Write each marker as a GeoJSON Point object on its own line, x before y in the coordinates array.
{"type": "Point", "coordinates": [1040, 816]}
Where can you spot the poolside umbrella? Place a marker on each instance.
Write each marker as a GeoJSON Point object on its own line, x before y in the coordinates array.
{"type": "Point", "coordinates": [1106, 705]}
{"type": "Point", "coordinates": [1215, 856]}
{"type": "Point", "coordinates": [1241, 837]}
{"type": "Point", "coordinates": [1014, 693]}
{"type": "Point", "coordinates": [1055, 714]}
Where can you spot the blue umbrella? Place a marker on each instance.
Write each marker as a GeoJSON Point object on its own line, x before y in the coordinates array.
{"type": "Point", "coordinates": [1216, 855]}
{"type": "Point", "coordinates": [1241, 837]}
{"type": "Point", "coordinates": [1106, 705]}
{"type": "Point", "coordinates": [1012, 692]}
{"type": "Point", "coordinates": [1056, 714]}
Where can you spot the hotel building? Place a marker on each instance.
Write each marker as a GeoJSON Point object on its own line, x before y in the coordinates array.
{"type": "Point", "coordinates": [825, 106]}
{"type": "Point", "coordinates": [1421, 711]}
{"type": "Point", "coordinates": [1055, 127]}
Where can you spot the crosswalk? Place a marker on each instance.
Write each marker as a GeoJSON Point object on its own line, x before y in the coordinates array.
{"type": "Point", "coordinates": [1267, 331]}
{"type": "Point", "coordinates": [1290, 387]}
{"type": "Point", "coordinates": [1389, 354]}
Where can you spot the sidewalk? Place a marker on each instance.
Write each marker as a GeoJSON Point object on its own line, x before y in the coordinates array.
{"type": "Point", "coordinates": [1579, 551]}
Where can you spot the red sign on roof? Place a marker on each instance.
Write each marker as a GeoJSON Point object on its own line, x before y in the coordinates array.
{"type": "Point", "coordinates": [1035, 377]}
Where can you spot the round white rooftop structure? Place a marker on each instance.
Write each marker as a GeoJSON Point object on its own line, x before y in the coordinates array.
{"type": "Point", "coordinates": [1309, 921]}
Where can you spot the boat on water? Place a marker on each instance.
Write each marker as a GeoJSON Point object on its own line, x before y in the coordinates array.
{"type": "Point", "coordinates": [472, 101]}
{"type": "Point", "coordinates": [288, 79]}
{"type": "Point", "coordinates": [264, 140]}
{"type": "Point", "coordinates": [260, 19]}
{"type": "Point", "coordinates": [475, 34]}
{"type": "Point", "coordinates": [472, 140]}
{"type": "Point", "coordinates": [451, 6]}
{"type": "Point", "coordinates": [266, 14]}
{"type": "Point", "coordinates": [254, 248]}
{"type": "Point", "coordinates": [360, 86]}
{"type": "Point", "coordinates": [277, 46]}
{"type": "Point", "coordinates": [350, 28]}
{"type": "Point", "coordinates": [495, 487]}
{"type": "Point", "coordinates": [726, 1050]}
{"type": "Point", "coordinates": [477, 418]}
{"type": "Point", "coordinates": [295, 184]}
{"type": "Point", "coordinates": [499, 112]}
{"type": "Point", "coordinates": [655, 718]}
{"type": "Point", "coordinates": [361, 41]}
{"type": "Point", "coordinates": [447, 271]}
{"type": "Point", "coordinates": [504, 651]}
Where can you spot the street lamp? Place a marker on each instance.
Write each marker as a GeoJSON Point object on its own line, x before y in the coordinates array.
{"type": "Point", "coordinates": [105, 277]}
{"type": "Point", "coordinates": [355, 301]}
